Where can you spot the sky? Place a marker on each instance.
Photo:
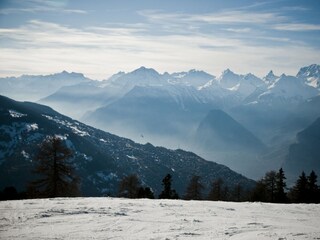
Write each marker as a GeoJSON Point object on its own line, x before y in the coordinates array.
{"type": "Point", "coordinates": [101, 37]}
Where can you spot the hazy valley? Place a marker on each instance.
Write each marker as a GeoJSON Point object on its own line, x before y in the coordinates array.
{"type": "Point", "coordinates": [244, 122]}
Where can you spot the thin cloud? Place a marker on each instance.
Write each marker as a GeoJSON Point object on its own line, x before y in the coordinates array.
{"type": "Point", "coordinates": [297, 27]}
{"type": "Point", "coordinates": [39, 6]}
{"type": "Point", "coordinates": [239, 30]}
{"type": "Point", "coordinates": [295, 8]}
{"type": "Point", "coordinates": [237, 17]}
{"type": "Point", "coordinates": [234, 17]}
{"type": "Point", "coordinates": [44, 47]}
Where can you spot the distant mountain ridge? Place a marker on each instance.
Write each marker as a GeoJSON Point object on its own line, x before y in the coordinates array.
{"type": "Point", "coordinates": [35, 87]}
{"type": "Point", "coordinates": [166, 109]}
{"type": "Point", "coordinates": [101, 159]}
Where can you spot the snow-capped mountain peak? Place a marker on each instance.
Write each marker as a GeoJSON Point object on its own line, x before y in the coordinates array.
{"type": "Point", "coordinates": [140, 77]}
{"type": "Point", "coordinates": [145, 71]}
{"type": "Point", "coordinates": [252, 79]}
{"type": "Point", "coordinates": [289, 87]}
{"type": "Point", "coordinates": [195, 78]}
{"type": "Point", "coordinates": [270, 77]}
{"type": "Point", "coordinates": [227, 71]}
{"type": "Point", "coordinates": [229, 79]}
{"type": "Point", "coordinates": [64, 73]}
{"type": "Point", "coordinates": [311, 75]}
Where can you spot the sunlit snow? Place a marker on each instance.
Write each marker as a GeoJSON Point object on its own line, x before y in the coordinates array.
{"type": "Point", "coordinates": [108, 218]}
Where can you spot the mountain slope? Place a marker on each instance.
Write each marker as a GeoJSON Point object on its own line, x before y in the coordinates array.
{"type": "Point", "coordinates": [304, 155]}
{"type": "Point", "coordinates": [221, 132]}
{"type": "Point", "coordinates": [101, 159]}
{"type": "Point", "coordinates": [153, 112]}
{"type": "Point", "coordinates": [221, 137]}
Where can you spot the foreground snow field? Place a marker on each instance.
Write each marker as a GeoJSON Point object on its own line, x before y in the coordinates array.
{"type": "Point", "coordinates": [111, 218]}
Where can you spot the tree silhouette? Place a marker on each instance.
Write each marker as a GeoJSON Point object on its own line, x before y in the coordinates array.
{"type": "Point", "coordinates": [265, 189]}
{"type": "Point", "coordinates": [270, 183]}
{"type": "Point", "coordinates": [299, 192]}
{"type": "Point", "coordinates": [313, 189]}
{"type": "Point", "coordinates": [217, 192]}
{"type": "Point", "coordinates": [129, 186]}
{"type": "Point", "coordinates": [53, 164]}
{"type": "Point", "coordinates": [280, 195]}
{"type": "Point", "coordinates": [194, 189]}
{"type": "Point", "coordinates": [145, 193]}
{"type": "Point", "coordinates": [237, 193]}
{"type": "Point", "coordinates": [9, 193]}
{"type": "Point", "coordinates": [259, 193]}
{"type": "Point", "coordinates": [167, 192]}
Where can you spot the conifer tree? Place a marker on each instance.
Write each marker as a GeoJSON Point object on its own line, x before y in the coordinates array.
{"type": "Point", "coordinates": [57, 173]}
{"type": "Point", "coordinates": [280, 195]}
{"type": "Point", "coordinates": [216, 193]}
{"type": "Point", "coordinates": [194, 189]}
{"type": "Point", "coordinates": [300, 190]}
{"type": "Point", "coordinates": [313, 190]}
{"type": "Point", "coordinates": [129, 186]}
{"type": "Point", "coordinates": [259, 193]}
{"type": "Point", "coordinates": [145, 193]}
{"type": "Point", "coordinates": [265, 190]}
{"type": "Point", "coordinates": [237, 193]}
{"type": "Point", "coordinates": [167, 192]}
{"type": "Point", "coordinates": [270, 183]}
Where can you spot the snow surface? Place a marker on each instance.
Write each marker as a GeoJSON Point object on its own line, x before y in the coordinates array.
{"type": "Point", "coordinates": [110, 218]}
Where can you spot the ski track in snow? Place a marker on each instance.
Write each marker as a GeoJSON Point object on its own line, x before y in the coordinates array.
{"type": "Point", "coordinates": [111, 218]}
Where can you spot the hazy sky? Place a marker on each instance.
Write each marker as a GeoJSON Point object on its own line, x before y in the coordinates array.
{"type": "Point", "coordinates": [99, 38]}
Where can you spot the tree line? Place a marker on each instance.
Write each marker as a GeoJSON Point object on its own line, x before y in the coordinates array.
{"type": "Point", "coordinates": [58, 179]}
{"type": "Point", "coordinates": [271, 188]}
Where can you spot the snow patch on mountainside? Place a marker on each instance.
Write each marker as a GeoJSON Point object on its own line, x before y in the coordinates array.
{"type": "Point", "coordinates": [13, 134]}
{"type": "Point", "coordinates": [16, 114]}
{"type": "Point", "coordinates": [75, 129]}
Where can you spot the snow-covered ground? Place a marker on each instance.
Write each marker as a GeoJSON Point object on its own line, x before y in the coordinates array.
{"type": "Point", "coordinates": [111, 218]}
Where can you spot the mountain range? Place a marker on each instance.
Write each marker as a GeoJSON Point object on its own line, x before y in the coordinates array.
{"type": "Point", "coordinates": [170, 110]}
{"type": "Point", "coordinates": [101, 159]}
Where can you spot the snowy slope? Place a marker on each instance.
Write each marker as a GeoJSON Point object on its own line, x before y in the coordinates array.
{"type": "Point", "coordinates": [311, 74]}
{"type": "Point", "coordinates": [107, 218]}
{"type": "Point", "coordinates": [229, 79]}
{"type": "Point", "coordinates": [288, 88]}
{"type": "Point", "coordinates": [243, 85]}
{"type": "Point", "coordinates": [193, 78]}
